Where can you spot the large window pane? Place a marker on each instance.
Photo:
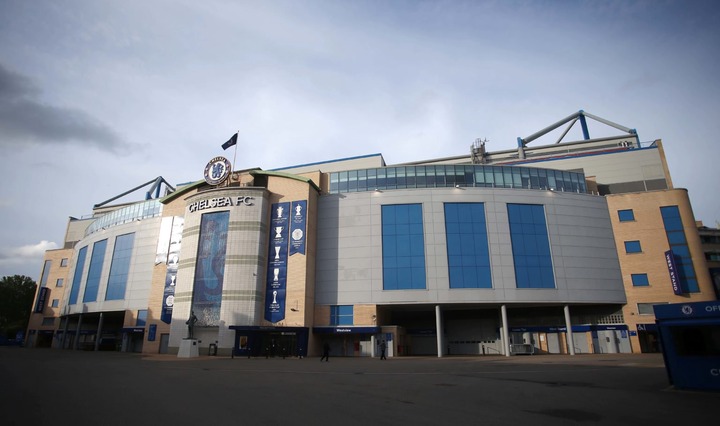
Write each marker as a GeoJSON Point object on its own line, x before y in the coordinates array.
{"type": "Point", "coordinates": [403, 247]}
{"type": "Point", "coordinates": [530, 246]}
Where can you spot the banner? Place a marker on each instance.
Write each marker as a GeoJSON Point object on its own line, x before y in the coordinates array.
{"type": "Point", "coordinates": [277, 262]}
{"type": "Point", "coordinates": [672, 269]}
{"type": "Point", "coordinates": [42, 300]}
{"type": "Point", "coordinates": [297, 227]}
{"type": "Point", "coordinates": [210, 268]}
{"type": "Point", "coordinates": [173, 241]}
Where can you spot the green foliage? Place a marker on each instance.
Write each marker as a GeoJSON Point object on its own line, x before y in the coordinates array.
{"type": "Point", "coordinates": [17, 294]}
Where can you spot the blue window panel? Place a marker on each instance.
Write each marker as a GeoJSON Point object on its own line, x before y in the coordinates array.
{"type": "Point", "coordinates": [402, 229]}
{"type": "Point", "coordinates": [45, 272]}
{"type": "Point", "coordinates": [681, 251]}
{"type": "Point", "coordinates": [632, 247]}
{"type": "Point", "coordinates": [531, 246]}
{"type": "Point", "coordinates": [341, 315]}
{"type": "Point", "coordinates": [626, 215]}
{"type": "Point", "coordinates": [676, 238]}
{"type": "Point", "coordinates": [141, 318]}
{"type": "Point", "coordinates": [670, 212]}
{"type": "Point", "coordinates": [692, 285]}
{"type": "Point", "coordinates": [79, 266]}
{"type": "Point", "coordinates": [403, 262]}
{"type": "Point", "coordinates": [417, 262]}
{"type": "Point", "coordinates": [467, 245]}
{"type": "Point", "coordinates": [673, 224]}
{"type": "Point", "coordinates": [640, 280]}
{"type": "Point", "coordinates": [120, 267]}
{"type": "Point", "coordinates": [96, 264]}
{"type": "Point", "coordinates": [403, 247]}
{"type": "Point", "coordinates": [678, 244]}
{"type": "Point", "coordinates": [390, 278]}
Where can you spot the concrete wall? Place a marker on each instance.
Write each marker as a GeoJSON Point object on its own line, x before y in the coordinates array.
{"type": "Point", "coordinates": [349, 265]}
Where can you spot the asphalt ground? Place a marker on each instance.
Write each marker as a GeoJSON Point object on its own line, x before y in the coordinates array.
{"type": "Point", "coordinates": [54, 387]}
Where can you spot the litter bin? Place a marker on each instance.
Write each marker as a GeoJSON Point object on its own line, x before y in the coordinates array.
{"type": "Point", "coordinates": [212, 350]}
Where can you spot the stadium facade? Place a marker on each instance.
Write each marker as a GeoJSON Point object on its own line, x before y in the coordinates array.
{"type": "Point", "coordinates": [560, 248]}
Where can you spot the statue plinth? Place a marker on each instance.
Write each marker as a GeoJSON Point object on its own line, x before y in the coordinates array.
{"type": "Point", "coordinates": [188, 348]}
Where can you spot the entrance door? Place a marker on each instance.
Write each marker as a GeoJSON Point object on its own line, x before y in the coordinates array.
{"type": "Point", "coordinates": [164, 341]}
{"type": "Point", "coordinates": [649, 341]}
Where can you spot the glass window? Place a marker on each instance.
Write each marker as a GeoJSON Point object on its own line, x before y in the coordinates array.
{"type": "Point", "coordinates": [403, 247]}
{"type": "Point", "coordinates": [120, 267]}
{"type": "Point", "coordinates": [64, 262]}
{"type": "Point", "coordinates": [45, 273]}
{"type": "Point", "coordinates": [530, 246]}
{"type": "Point", "coordinates": [647, 308]}
{"type": "Point", "coordinates": [79, 266]}
{"type": "Point", "coordinates": [341, 315]}
{"type": "Point", "coordinates": [632, 247]}
{"type": "Point", "coordinates": [59, 282]}
{"type": "Point", "coordinates": [640, 280]}
{"type": "Point", "coordinates": [467, 245]}
{"type": "Point", "coordinates": [626, 215]}
{"type": "Point", "coordinates": [96, 265]}
{"type": "Point", "coordinates": [681, 251]}
{"type": "Point", "coordinates": [141, 318]}
{"type": "Point", "coordinates": [55, 303]}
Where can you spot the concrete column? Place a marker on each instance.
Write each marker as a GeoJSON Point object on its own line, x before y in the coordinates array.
{"type": "Point", "coordinates": [568, 333]}
{"type": "Point", "coordinates": [505, 332]}
{"type": "Point", "coordinates": [98, 335]}
{"type": "Point", "coordinates": [439, 328]}
{"type": "Point", "coordinates": [76, 343]}
{"type": "Point", "coordinates": [65, 331]}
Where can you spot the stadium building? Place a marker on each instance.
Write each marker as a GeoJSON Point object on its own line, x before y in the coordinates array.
{"type": "Point", "coordinates": [550, 249]}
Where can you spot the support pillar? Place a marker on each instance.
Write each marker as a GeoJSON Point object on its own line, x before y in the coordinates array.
{"type": "Point", "coordinates": [98, 335]}
{"type": "Point", "coordinates": [76, 343]}
{"type": "Point", "coordinates": [65, 332]}
{"type": "Point", "coordinates": [568, 333]}
{"type": "Point", "coordinates": [439, 328]}
{"type": "Point", "coordinates": [505, 332]}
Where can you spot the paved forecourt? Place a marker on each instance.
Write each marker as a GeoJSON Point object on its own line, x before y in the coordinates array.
{"type": "Point", "coordinates": [76, 388]}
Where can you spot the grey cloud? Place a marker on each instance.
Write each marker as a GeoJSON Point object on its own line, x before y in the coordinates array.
{"type": "Point", "coordinates": [23, 119]}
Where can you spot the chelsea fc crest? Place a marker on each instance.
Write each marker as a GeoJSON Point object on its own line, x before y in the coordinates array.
{"type": "Point", "coordinates": [217, 170]}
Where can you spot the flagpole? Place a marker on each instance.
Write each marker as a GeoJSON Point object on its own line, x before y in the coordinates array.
{"type": "Point", "coordinates": [235, 152]}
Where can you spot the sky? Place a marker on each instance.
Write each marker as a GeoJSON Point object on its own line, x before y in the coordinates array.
{"type": "Point", "coordinates": [98, 97]}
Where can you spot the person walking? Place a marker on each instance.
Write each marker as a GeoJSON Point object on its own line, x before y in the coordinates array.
{"type": "Point", "coordinates": [326, 352]}
{"type": "Point", "coordinates": [383, 347]}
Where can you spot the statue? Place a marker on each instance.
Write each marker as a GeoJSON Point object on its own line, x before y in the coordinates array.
{"type": "Point", "coordinates": [191, 324]}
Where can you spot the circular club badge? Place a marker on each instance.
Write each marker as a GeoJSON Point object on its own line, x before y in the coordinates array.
{"type": "Point", "coordinates": [217, 170]}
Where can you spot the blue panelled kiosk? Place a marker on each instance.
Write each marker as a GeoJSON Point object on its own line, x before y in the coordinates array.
{"type": "Point", "coordinates": [690, 339]}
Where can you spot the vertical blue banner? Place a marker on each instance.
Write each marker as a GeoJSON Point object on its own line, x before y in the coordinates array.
{"type": "Point", "coordinates": [41, 300]}
{"type": "Point", "coordinates": [171, 257]}
{"type": "Point", "coordinates": [277, 262]}
{"type": "Point", "coordinates": [297, 227]}
{"type": "Point", "coordinates": [210, 268]}
{"type": "Point", "coordinates": [152, 332]}
{"type": "Point", "coordinates": [672, 269]}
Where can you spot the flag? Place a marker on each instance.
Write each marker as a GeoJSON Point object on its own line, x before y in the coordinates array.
{"type": "Point", "coordinates": [232, 141]}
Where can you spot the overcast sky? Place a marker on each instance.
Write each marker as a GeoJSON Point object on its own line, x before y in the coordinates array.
{"type": "Point", "coordinates": [97, 97]}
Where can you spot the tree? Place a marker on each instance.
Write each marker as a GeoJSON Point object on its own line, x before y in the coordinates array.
{"type": "Point", "coordinates": [16, 299]}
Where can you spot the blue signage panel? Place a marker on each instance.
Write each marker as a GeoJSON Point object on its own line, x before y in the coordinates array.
{"type": "Point", "coordinates": [277, 262]}
{"type": "Point", "coordinates": [297, 227]}
{"type": "Point", "coordinates": [672, 270]}
{"type": "Point", "coordinates": [168, 301]}
{"type": "Point", "coordinates": [152, 331]}
{"type": "Point", "coordinates": [42, 299]}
